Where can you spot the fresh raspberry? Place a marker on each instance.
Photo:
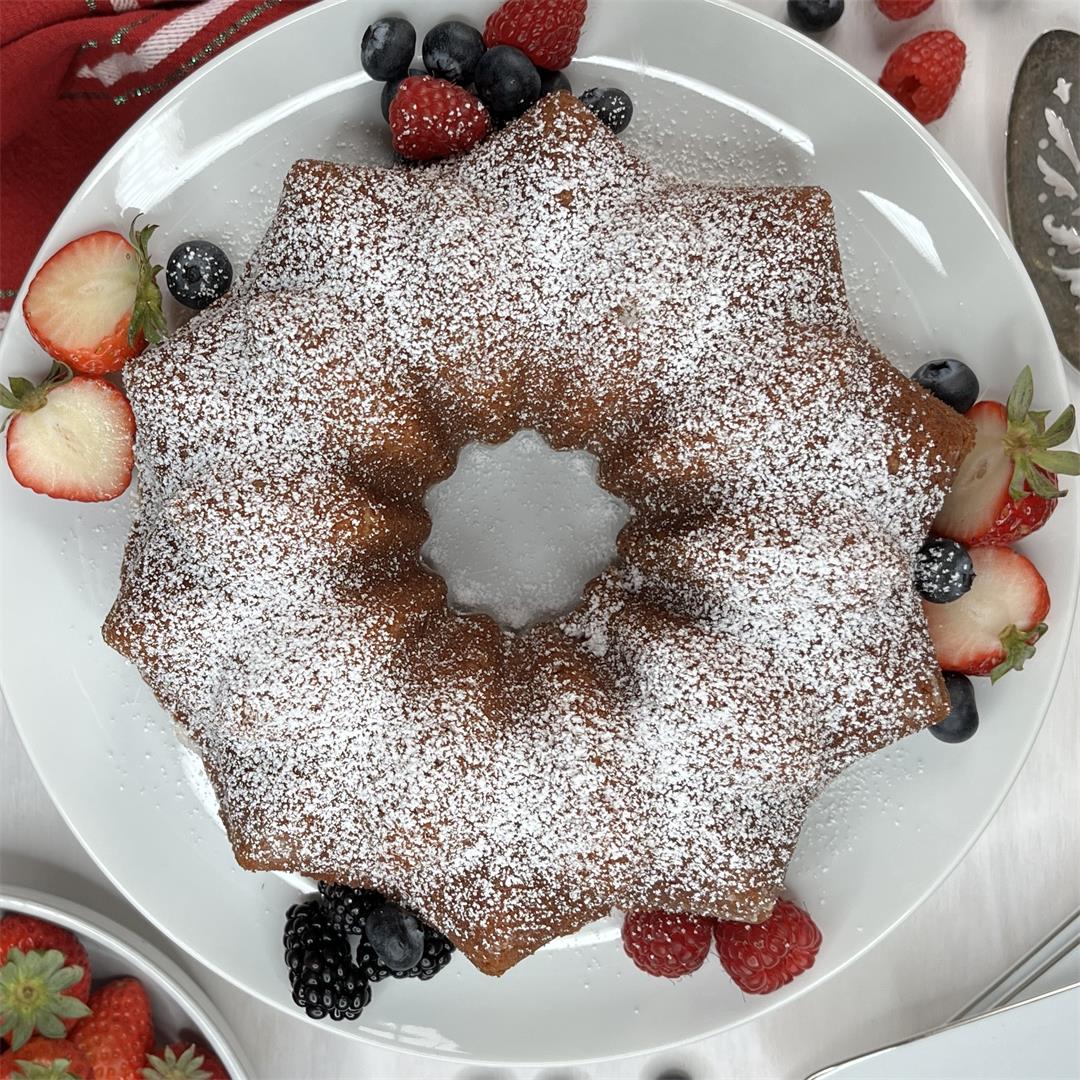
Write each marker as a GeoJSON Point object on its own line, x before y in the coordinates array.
{"type": "Point", "coordinates": [762, 957]}
{"type": "Point", "coordinates": [923, 73]}
{"type": "Point", "coordinates": [546, 31]}
{"type": "Point", "coordinates": [432, 118]}
{"type": "Point", "coordinates": [902, 9]}
{"type": "Point", "coordinates": [664, 944]}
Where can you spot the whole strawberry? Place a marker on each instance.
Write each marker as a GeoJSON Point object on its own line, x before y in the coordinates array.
{"type": "Point", "coordinates": [546, 31]}
{"type": "Point", "coordinates": [666, 944]}
{"type": "Point", "coordinates": [46, 1059]}
{"type": "Point", "coordinates": [762, 957]}
{"type": "Point", "coordinates": [923, 73]}
{"type": "Point", "coordinates": [902, 9]}
{"type": "Point", "coordinates": [183, 1061]}
{"type": "Point", "coordinates": [432, 118]}
{"type": "Point", "coordinates": [1007, 487]}
{"type": "Point", "coordinates": [44, 980]}
{"type": "Point", "coordinates": [119, 1032]}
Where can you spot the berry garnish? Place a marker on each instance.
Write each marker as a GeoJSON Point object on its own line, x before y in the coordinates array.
{"type": "Point", "coordinates": [993, 628]}
{"type": "Point", "coordinates": [183, 1061]}
{"type": "Point", "coordinates": [69, 438]}
{"type": "Point", "coordinates": [197, 273]}
{"type": "Point", "coordinates": [119, 1031]}
{"type": "Point", "coordinates": [431, 118]}
{"type": "Point", "coordinates": [902, 9]}
{"type": "Point", "coordinates": [309, 927]}
{"type": "Point", "coordinates": [390, 89]}
{"type": "Point", "coordinates": [436, 954]}
{"type": "Point", "coordinates": [451, 51]}
{"type": "Point", "coordinates": [46, 1059]}
{"type": "Point", "coordinates": [348, 908]}
{"type": "Point", "coordinates": [96, 302]}
{"type": "Point", "coordinates": [951, 381]}
{"type": "Point", "coordinates": [813, 16]}
{"type": "Point", "coordinates": [923, 73]}
{"type": "Point", "coordinates": [551, 82]}
{"type": "Point", "coordinates": [396, 936]}
{"type": "Point", "coordinates": [324, 980]}
{"type": "Point", "coordinates": [507, 82]}
{"type": "Point", "coordinates": [943, 570]}
{"type": "Point", "coordinates": [762, 957]}
{"type": "Point", "coordinates": [962, 720]}
{"type": "Point", "coordinates": [546, 31]}
{"type": "Point", "coordinates": [1007, 487]}
{"type": "Point", "coordinates": [666, 944]}
{"type": "Point", "coordinates": [387, 48]}
{"type": "Point", "coordinates": [611, 106]}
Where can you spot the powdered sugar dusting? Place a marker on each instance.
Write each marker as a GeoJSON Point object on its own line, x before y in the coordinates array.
{"type": "Point", "coordinates": [661, 745]}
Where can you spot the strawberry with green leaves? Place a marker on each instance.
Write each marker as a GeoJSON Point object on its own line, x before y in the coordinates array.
{"type": "Point", "coordinates": [1007, 486]}
{"type": "Point", "coordinates": [45, 1059]}
{"type": "Point", "coordinates": [183, 1061]}
{"type": "Point", "coordinates": [44, 980]}
{"type": "Point", "coordinates": [96, 303]}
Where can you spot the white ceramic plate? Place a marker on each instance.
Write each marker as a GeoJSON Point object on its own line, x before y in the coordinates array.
{"type": "Point", "coordinates": [180, 1009]}
{"type": "Point", "coordinates": [721, 93]}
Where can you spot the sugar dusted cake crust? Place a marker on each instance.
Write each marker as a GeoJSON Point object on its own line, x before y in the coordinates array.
{"type": "Point", "coordinates": [661, 745]}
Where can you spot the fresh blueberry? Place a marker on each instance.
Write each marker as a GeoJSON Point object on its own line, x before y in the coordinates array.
{"type": "Point", "coordinates": [507, 82]}
{"type": "Point", "coordinates": [943, 570]}
{"type": "Point", "coordinates": [391, 88]}
{"type": "Point", "coordinates": [963, 719]}
{"type": "Point", "coordinates": [552, 81]}
{"type": "Point", "coordinates": [815, 15]}
{"type": "Point", "coordinates": [452, 50]}
{"type": "Point", "coordinates": [388, 48]}
{"type": "Point", "coordinates": [197, 273]}
{"type": "Point", "coordinates": [396, 936]}
{"type": "Point", "coordinates": [950, 380]}
{"type": "Point", "coordinates": [612, 107]}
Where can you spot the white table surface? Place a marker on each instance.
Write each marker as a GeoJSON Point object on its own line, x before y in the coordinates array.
{"type": "Point", "coordinates": [1020, 879]}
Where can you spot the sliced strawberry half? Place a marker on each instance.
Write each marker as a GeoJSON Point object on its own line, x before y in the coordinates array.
{"type": "Point", "coordinates": [1007, 487]}
{"type": "Point", "coordinates": [70, 437]}
{"type": "Point", "coordinates": [992, 629]}
{"type": "Point", "coordinates": [96, 302]}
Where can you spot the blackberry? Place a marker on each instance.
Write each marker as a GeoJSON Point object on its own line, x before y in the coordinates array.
{"type": "Point", "coordinates": [309, 930]}
{"type": "Point", "coordinates": [436, 954]}
{"type": "Point", "coordinates": [329, 986]}
{"type": "Point", "coordinates": [347, 908]}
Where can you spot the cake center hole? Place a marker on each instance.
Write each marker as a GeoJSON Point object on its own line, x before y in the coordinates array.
{"type": "Point", "coordinates": [519, 529]}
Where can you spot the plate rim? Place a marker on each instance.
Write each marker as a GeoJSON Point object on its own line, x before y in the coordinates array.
{"type": "Point", "coordinates": [1066, 606]}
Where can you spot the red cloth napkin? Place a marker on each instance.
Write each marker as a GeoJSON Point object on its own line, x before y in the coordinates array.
{"type": "Point", "coordinates": [74, 74]}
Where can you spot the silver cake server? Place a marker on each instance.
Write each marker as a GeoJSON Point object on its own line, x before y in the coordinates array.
{"type": "Point", "coordinates": [1042, 174]}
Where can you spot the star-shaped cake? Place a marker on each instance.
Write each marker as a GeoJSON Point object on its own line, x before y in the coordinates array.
{"type": "Point", "coordinates": [658, 747]}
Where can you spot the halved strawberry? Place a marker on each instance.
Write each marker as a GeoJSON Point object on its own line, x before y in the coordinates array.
{"type": "Point", "coordinates": [993, 628]}
{"type": "Point", "coordinates": [96, 302]}
{"type": "Point", "coordinates": [69, 437]}
{"type": "Point", "coordinates": [1007, 487]}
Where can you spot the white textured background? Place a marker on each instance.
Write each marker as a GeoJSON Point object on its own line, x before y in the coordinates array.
{"type": "Point", "coordinates": [1020, 879]}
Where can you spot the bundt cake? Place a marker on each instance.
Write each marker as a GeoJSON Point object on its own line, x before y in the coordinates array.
{"type": "Point", "coordinates": [660, 745]}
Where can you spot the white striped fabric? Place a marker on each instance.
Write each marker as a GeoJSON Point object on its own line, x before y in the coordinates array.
{"type": "Point", "coordinates": [160, 45]}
